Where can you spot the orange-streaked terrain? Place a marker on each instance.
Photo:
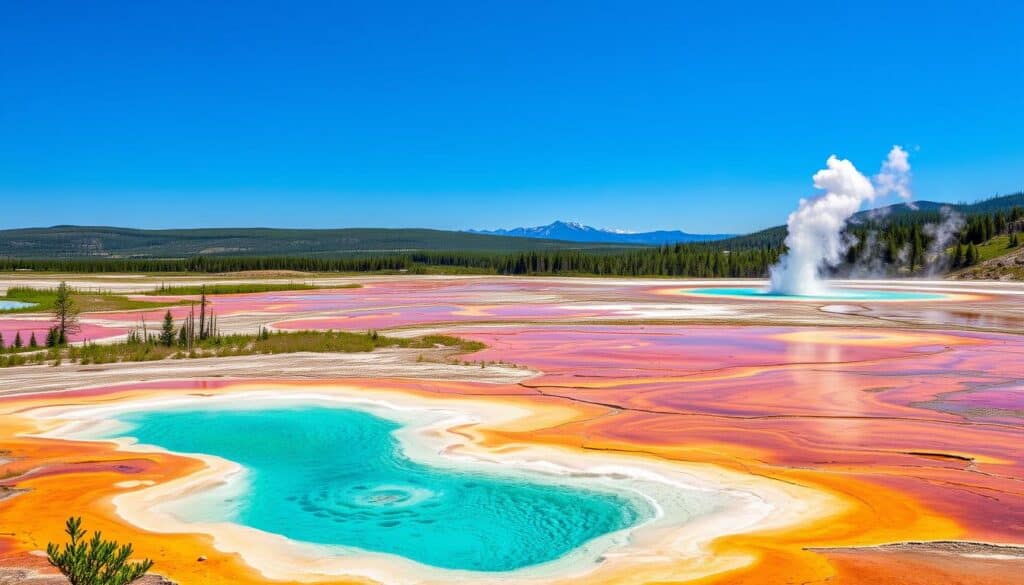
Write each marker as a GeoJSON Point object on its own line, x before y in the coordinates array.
{"type": "Point", "coordinates": [881, 441]}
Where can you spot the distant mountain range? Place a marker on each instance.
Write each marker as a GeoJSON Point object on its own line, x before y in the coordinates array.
{"type": "Point", "coordinates": [577, 232]}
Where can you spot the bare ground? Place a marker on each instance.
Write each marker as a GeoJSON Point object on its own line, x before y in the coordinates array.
{"type": "Point", "coordinates": [382, 363]}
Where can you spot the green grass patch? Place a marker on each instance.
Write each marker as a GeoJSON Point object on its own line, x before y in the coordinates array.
{"type": "Point", "coordinates": [87, 301]}
{"type": "Point", "coordinates": [239, 288]}
{"type": "Point", "coordinates": [235, 345]}
{"type": "Point", "coordinates": [42, 299]}
{"type": "Point", "coordinates": [463, 345]}
{"type": "Point", "coordinates": [994, 248]}
{"type": "Point", "coordinates": [29, 357]}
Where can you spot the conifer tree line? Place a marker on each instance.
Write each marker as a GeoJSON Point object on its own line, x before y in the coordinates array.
{"type": "Point", "coordinates": [211, 264]}
{"type": "Point", "coordinates": [902, 243]}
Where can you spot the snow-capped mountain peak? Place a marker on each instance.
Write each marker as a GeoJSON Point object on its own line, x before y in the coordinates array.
{"type": "Point", "coordinates": [573, 231]}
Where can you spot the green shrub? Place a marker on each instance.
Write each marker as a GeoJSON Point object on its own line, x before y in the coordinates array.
{"type": "Point", "coordinates": [96, 561]}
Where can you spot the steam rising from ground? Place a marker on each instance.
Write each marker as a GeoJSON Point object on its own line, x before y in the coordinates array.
{"type": "Point", "coordinates": [815, 239]}
{"type": "Point", "coordinates": [943, 234]}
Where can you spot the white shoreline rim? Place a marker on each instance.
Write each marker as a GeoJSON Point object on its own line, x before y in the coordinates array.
{"type": "Point", "coordinates": [672, 547]}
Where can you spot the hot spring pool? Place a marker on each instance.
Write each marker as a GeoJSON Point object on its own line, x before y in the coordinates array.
{"type": "Point", "coordinates": [839, 294]}
{"type": "Point", "coordinates": [8, 305]}
{"type": "Point", "coordinates": [337, 476]}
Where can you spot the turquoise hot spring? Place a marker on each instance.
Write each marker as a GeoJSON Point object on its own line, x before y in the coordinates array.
{"type": "Point", "coordinates": [838, 294]}
{"type": "Point", "coordinates": [11, 305]}
{"type": "Point", "coordinates": [338, 476]}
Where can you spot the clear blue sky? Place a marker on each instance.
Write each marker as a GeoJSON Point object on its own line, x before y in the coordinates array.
{"type": "Point", "coordinates": [703, 116]}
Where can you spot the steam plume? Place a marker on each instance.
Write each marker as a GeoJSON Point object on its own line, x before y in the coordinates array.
{"type": "Point", "coordinates": [942, 234]}
{"type": "Point", "coordinates": [815, 239]}
{"type": "Point", "coordinates": [895, 176]}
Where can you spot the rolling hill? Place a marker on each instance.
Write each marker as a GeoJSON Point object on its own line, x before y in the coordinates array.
{"type": "Point", "coordinates": [113, 242]}
{"type": "Point", "coordinates": [921, 211]}
{"type": "Point", "coordinates": [76, 242]}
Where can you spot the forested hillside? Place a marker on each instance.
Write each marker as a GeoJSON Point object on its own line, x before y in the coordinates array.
{"type": "Point", "coordinates": [893, 241]}
{"type": "Point", "coordinates": [113, 242]}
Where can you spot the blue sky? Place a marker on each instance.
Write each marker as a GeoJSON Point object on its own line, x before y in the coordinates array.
{"type": "Point", "coordinates": [708, 117]}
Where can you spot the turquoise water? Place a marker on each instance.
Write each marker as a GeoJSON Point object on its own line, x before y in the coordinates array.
{"type": "Point", "coordinates": [8, 305]}
{"type": "Point", "coordinates": [338, 476]}
{"type": "Point", "coordinates": [845, 294]}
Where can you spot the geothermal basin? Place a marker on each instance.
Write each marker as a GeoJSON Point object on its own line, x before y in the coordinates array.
{"type": "Point", "coordinates": [610, 431]}
{"type": "Point", "coordinates": [328, 478]}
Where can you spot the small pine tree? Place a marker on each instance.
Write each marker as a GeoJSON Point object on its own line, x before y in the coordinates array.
{"type": "Point", "coordinates": [17, 340]}
{"type": "Point", "coordinates": [167, 331]}
{"type": "Point", "coordinates": [972, 255]}
{"type": "Point", "coordinates": [32, 340]}
{"type": "Point", "coordinates": [51, 337]}
{"type": "Point", "coordinates": [203, 330]}
{"type": "Point", "coordinates": [183, 336]}
{"type": "Point", "coordinates": [96, 561]}
{"type": "Point", "coordinates": [65, 313]}
{"type": "Point", "coordinates": [1, 342]}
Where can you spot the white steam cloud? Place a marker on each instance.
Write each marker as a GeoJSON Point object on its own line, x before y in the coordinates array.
{"type": "Point", "coordinates": [895, 176]}
{"type": "Point", "coordinates": [815, 239]}
{"type": "Point", "coordinates": [942, 234]}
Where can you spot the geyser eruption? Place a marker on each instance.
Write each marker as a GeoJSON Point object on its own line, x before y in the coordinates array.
{"type": "Point", "coordinates": [815, 240]}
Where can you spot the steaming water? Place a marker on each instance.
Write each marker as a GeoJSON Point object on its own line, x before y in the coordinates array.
{"type": "Point", "coordinates": [814, 232]}
{"type": "Point", "coordinates": [830, 295]}
{"type": "Point", "coordinates": [8, 305]}
{"type": "Point", "coordinates": [339, 477]}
